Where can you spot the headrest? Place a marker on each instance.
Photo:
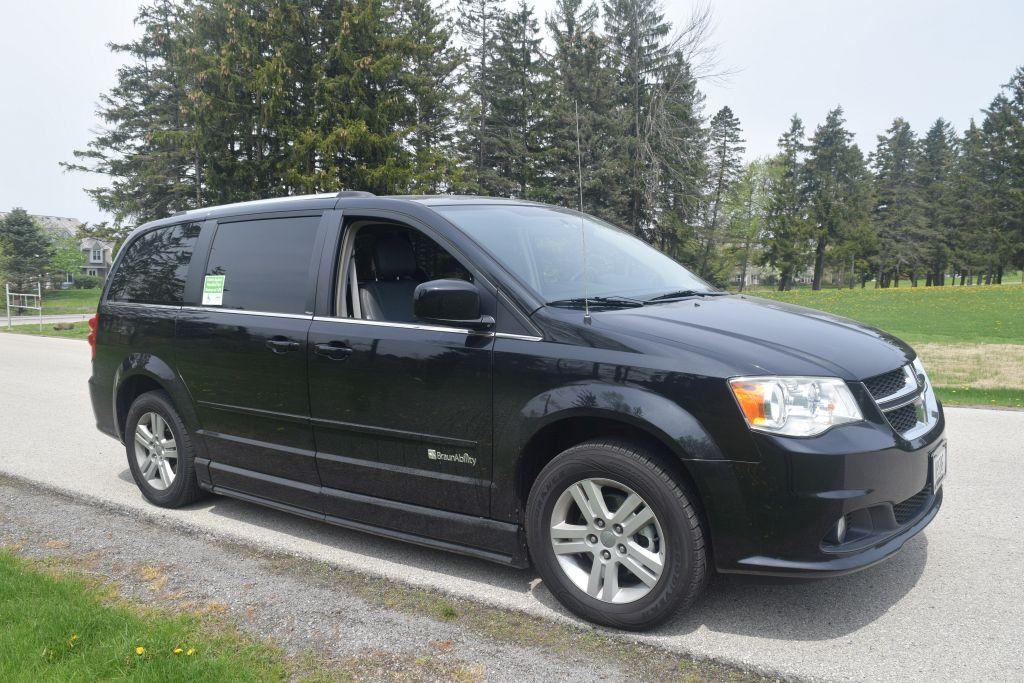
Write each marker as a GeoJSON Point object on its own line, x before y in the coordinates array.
{"type": "Point", "coordinates": [393, 258]}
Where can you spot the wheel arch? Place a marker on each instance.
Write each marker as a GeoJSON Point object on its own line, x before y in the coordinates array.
{"type": "Point", "coordinates": [140, 373]}
{"type": "Point", "coordinates": [637, 415]}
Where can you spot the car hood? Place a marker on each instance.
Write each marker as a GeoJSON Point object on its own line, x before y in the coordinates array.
{"type": "Point", "coordinates": [748, 335]}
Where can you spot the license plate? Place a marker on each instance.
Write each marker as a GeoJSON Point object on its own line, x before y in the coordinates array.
{"type": "Point", "coordinates": [938, 460]}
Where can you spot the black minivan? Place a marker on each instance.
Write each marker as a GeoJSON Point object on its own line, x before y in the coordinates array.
{"type": "Point", "coordinates": [512, 381]}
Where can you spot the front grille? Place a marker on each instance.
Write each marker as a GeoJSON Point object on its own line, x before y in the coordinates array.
{"type": "Point", "coordinates": [903, 419]}
{"type": "Point", "coordinates": [911, 507]}
{"type": "Point", "coordinates": [886, 384]}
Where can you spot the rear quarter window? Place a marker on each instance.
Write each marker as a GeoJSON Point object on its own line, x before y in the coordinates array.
{"type": "Point", "coordinates": [154, 266]}
{"type": "Point", "coordinates": [265, 263]}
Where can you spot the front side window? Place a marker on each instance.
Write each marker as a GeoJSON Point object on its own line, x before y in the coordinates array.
{"type": "Point", "coordinates": [265, 263]}
{"type": "Point", "coordinates": [543, 247]}
{"type": "Point", "coordinates": [386, 264]}
{"type": "Point", "coordinates": [154, 267]}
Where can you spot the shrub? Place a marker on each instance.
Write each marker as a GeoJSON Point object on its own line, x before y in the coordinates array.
{"type": "Point", "coordinates": [87, 281]}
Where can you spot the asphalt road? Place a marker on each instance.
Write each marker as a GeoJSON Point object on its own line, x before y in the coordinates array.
{"type": "Point", "coordinates": [47, 319]}
{"type": "Point", "coordinates": [950, 606]}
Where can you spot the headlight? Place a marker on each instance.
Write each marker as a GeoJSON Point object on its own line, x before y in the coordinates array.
{"type": "Point", "coordinates": [794, 406]}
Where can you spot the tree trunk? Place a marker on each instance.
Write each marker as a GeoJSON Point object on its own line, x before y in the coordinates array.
{"type": "Point", "coordinates": [819, 263]}
{"type": "Point", "coordinates": [783, 281]}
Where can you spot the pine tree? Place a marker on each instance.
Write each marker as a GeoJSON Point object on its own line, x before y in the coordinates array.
{"type": "Point", "coordinates": [970, 190]}
{"type": "Point", "coordinates": [636, 33]}
{"type": "Point", "coordinates": [837, 186]}
{"type": "Point", "coordinates": [26, 248]}
{"type": "Point", "coordinates": [935, 161]}
{"type": "Point", "coordinates": [1003, 135]}
{"type": "Point", "coordinates": [515, 84]}
{"type": "Point", "coordinates": [788, 232]}
{"type": "Point", "coordinates": [725, 152]}
{"type": "Point", "coordinates": [577, 82]}
{"type": "Point", "coordinates": [430, 80]}
{"type": "Point", "coordinates": [477, 23]}
{"type": "Point", "coordinates": [898, 213]}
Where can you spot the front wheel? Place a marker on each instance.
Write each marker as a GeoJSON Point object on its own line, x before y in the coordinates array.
{"type": "Point", "coordinates": [615, 535]}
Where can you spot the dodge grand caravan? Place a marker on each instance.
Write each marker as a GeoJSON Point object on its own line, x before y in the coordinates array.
{"type": "Point", "coordinates": [461, 373]}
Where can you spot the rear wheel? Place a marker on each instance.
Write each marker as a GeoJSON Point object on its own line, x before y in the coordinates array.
{"type": "Point", "coordinates": [160, 453]}
{"type": "Point", "coordinates": [615, 535]}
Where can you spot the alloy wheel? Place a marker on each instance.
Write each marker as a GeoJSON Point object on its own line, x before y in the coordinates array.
{"type": "Point", "coordinates": [156, 452]}
{"type": "Point", "coordinates": [607, 540]}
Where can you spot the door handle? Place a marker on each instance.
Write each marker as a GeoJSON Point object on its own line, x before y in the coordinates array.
{"type": "Point", "coordinates": [281, 344]}
{"type": "Point", "coordinates": [334, 350]}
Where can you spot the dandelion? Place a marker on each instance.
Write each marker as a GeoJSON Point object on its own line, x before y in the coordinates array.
{"type": "Point", "coordinates": [191, 651]}
{"type": "Point", "coordinates": [140, 650]}
{"type": "Point", "coordinates": [178, 650]}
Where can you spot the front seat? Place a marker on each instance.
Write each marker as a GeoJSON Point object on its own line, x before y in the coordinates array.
{"type": "Point", "coordinates": [389, 297]}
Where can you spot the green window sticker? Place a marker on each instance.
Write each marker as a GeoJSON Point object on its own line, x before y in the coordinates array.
{"type": "Point", "coordinates": [213, 290]}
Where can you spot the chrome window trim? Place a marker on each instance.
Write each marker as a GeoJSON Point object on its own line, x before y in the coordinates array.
{"type": "Point", "coordinates": [116, 302]}
{"type": "Point", "coordinates": [407, 326]}
{"type": "Point", "coordinates": [522, 337]}
{"type": "Point", "coordinates": [238, 311]}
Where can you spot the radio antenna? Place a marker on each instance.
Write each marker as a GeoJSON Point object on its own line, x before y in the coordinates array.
{"type": "Point", "coordinates": [583, 231]}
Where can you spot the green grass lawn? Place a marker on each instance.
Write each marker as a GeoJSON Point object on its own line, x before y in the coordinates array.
{"type": "Point", "coordinates": [79, 330]}
{"type": "Point", "coordinates": [953, 326]}
{"type": "Point", "coordinates": [957, 315]}
{"type": "Point", "coordinates": [63, 628]}
{"type": "Point", "coordinates": [70, 301]}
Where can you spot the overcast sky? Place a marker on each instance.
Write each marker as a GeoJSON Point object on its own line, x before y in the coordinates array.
{"type": "Point", "coordinates": [919, 59]}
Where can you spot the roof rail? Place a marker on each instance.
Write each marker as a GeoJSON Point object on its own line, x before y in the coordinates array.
{"type": "Point", "coordinates": [180, 213]}
{"type": "Point", "coordinates": [354, 193]}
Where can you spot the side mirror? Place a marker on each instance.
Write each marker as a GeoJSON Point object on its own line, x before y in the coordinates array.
{"type": "Point", "coordinates": [450, 302]}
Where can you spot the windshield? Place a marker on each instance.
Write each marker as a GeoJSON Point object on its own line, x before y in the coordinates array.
{"type": "Point", "coordinates": [543, 247]}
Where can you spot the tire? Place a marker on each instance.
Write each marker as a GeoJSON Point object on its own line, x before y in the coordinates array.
{"type": "Point", "coordinates": [184, 486]}
{"type": "Point", "coordinates": [676, 535]}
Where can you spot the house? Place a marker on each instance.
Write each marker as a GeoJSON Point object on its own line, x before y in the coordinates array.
{"type": "Point", "coordinates": [99, 254]}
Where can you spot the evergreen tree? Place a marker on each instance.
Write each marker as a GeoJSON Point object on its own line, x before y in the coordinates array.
{"type": "Point", "coordinates": [788, 232]}
{"type": "Point", "coordinates": [477, 24]}
{"type": "Point", "coordinates": [935, 179]}
{"type": "Point", "coordinates": [898, 212]}
{"type": "Point", "coordinates": [26, 248]}
{"type": "Point", "coordinates": [430, 79]}
{"type": "Point", "coordinates": [577, 83]}
{"type": "Point", "coordinates": [1003, 136]}
{"type": "Point", "coordinates": [516, 88]}
{"type": "Point", "coordinates": [725, 151]}
{"type": "Point", "coordinates": [837, 186]}
{"type": "Point", "coordinates": [970, 191]}
{"type": "Point", "coordinates": [636, 33]}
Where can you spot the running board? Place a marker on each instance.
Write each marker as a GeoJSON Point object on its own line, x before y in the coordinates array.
{"type": "Point", "coordinates": [517, 559]}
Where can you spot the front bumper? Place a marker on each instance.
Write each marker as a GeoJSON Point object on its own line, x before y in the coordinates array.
{"type": "Point", "coordinates": [777, 517]}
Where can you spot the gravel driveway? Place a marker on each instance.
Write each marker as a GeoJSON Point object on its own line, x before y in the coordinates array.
{"type": "Point", "coordinates": [948, 607]}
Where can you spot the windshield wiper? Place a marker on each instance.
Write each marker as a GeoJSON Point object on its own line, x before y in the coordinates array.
{"type": "Point", "coordinates": [684, 294]}
{"type": "Point", "coordinates": [613, 300]}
